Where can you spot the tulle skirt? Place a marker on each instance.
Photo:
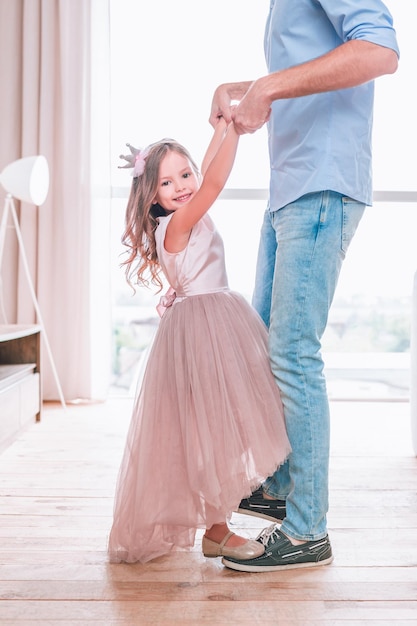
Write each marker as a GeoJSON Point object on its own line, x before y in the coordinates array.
{"type": "Point", "coordinates": [207, 427]}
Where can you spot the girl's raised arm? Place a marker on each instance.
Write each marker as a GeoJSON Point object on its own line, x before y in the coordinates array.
{"type": "Point", "coordinates": [218, 136]}
{"type": "Point", "coordinates": [216, 168]}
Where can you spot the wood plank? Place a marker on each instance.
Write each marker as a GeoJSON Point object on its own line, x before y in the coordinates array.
{"type": "Point", "coordinates": [351, 548]}
{"type": "Point", "coordinates": [359, 504]}
{"type": "Point", "coordinates": [193, 570]}
{"type": "Point", "coordinates": [234, 589]}
{"type": "Point", "coordinates": [142, 621]}
{"type": "Point", "coordinates": [216, 611]}
{"type": "Point", "coordinates": [44, 524]}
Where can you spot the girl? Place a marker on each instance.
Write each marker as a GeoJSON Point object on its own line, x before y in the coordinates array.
{"type": "Point", "coordinates": [207, 424]}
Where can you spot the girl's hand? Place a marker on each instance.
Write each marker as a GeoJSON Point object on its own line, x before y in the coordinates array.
{"type": "Point", "coordinates": [222, 100]}
{"type": "Point", "coordinates": [220, 106]}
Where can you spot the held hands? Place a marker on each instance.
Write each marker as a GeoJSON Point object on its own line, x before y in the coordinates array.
{"type": "Point", "coordinates": [252, 112]}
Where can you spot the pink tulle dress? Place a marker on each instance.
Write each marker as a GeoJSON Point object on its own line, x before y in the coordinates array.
{"type": "Point", "coordinates": [207, 424]}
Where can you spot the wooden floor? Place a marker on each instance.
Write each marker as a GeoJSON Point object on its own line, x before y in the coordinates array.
{"type": "Point", "coordinates": [56, 496]}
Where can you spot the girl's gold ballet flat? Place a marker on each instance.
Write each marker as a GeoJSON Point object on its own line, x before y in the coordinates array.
{"type": "Point", "coordinates": [249, 550]}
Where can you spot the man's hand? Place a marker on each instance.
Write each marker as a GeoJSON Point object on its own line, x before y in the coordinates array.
{"type": "Point", "coordinates": [253, 111]}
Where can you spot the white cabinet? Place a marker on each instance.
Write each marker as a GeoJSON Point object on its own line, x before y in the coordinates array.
{"type": "Point", "coordinates": [20, 381]}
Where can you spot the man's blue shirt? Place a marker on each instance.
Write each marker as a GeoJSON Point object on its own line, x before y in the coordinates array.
{"type": "Point", "coordinates": [323, 141]}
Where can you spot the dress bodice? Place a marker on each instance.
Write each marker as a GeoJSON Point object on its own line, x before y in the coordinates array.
{"type": "Point", "coordinates": [200, 267]}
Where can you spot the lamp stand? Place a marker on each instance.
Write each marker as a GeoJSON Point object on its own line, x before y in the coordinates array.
{"type": "Point", "coordinates": [10, 206]}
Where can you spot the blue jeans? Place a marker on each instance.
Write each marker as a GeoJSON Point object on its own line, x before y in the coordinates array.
{"type": "Point", "coordinates": [301, 251]}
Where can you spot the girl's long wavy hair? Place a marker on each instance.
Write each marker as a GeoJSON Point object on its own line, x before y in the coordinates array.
{"type": "Point", "coordinates": [142, 265]}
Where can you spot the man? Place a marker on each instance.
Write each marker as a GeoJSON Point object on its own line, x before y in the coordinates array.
{"type": "Point", "coordinates": [317, 98]}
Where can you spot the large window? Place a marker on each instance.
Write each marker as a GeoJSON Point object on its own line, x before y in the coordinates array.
{"type": "Point", "coordinates": [167, 59]}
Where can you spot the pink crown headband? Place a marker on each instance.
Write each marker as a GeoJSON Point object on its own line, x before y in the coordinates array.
{"type": "Point", "coordinates": [136, 160]}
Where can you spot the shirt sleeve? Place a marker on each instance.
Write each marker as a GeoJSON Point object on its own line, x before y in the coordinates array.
{"type": "Point", "coordinates": [369, 20]}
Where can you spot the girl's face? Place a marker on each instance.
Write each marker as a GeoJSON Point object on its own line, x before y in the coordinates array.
{"type": "Point", "coordinates": [177, 181]}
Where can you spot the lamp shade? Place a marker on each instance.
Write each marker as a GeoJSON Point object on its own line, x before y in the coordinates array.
{"type": "Point", "coordinates": [27, 179]}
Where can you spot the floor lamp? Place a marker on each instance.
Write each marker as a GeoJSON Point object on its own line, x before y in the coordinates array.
{"type": "Point", "coordinates": [27, 179]}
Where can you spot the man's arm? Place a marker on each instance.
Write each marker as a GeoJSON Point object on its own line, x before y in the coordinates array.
{"type": "Point", "coordinates": [350, 64]}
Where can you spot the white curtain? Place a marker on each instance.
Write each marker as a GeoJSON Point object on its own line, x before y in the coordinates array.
{"type": "Point", "coordinates": [51, 104]}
